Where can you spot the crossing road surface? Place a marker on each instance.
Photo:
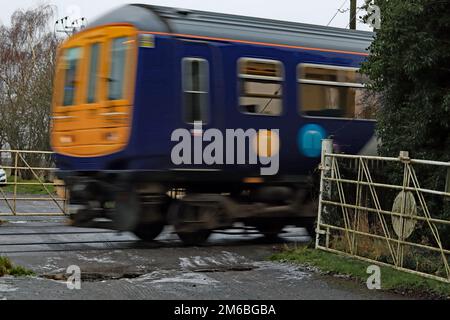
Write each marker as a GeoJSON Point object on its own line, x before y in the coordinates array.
{"type": "Point", "coordinates": [118, 266]}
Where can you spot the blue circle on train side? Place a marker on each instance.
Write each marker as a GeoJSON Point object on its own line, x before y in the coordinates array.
{"type": "Point", "coordinates": [310, 140]}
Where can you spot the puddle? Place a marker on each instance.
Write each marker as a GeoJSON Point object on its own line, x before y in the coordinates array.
{"type": "Point", "coordinates": [96, 259]}
{"type": "Point", "coordinates": [7, 288]}
{"type": "Point", "coordinates": [225, 269]}
{"type": "Point", "coordinates": [93, 276]}
{"type": "Point", "coordinates": [191, 278]}
{"type": "Point", "coordinates": [225, 261]}
{"type": "Point", "coordinates": [286, 271]}
{"type": "Point", "coordinates": [161, 277]}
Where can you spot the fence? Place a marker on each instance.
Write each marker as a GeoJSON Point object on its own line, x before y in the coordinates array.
{"type": "Point", "coordinates": [30, 189]}
{"type": "Point", "coordinates": [386, 210]}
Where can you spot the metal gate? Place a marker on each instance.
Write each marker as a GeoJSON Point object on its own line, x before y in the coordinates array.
{"type": "Point", "coordinates": [30, 190]}
{"type": "Point", "coordinates": [378, 209]}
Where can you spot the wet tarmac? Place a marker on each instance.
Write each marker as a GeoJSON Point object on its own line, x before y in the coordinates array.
{"type": "Point", "coordinates": [119, 266]}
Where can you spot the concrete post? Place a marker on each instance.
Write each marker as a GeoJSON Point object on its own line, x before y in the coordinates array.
{"type": "Point", "coordinates": [325, 186]}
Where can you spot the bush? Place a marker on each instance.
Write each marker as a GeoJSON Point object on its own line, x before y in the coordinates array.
{"type": "Point", "coordinates": [409, 70]}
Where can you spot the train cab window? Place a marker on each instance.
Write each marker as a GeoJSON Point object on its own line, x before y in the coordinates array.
{"type": "Point", "coordinates": [93, 73]}
{"type": "Point", "coordinates": [71, 59]}
{"type": "Point", "coordinates": [261, 86]}
{"type": "Point", "coordinates": [332, 91]}
{"type": "Point", "coordinates": [116, 78]}
{"type": "Point", "coordinates": [195, 89]}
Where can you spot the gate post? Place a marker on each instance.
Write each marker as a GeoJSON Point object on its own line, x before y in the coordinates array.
{"type": "Point", "coordinates": [325, 167]}
{"type": "Point", "coordinates": [447, 184]}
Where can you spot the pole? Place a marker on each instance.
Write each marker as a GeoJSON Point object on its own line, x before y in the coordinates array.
{"type": "Point", "coordinates": [325, 167]}
{"type": "Point", "coordinates": [353, 14]}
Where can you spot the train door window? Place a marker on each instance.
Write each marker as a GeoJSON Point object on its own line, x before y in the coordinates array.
{"type": "Point", "coordinates": [195, 89]}
{"type": "Point", "coordinates": [116, 78]}
{"type": "Point", "coordinates": [93, 73]}
{"type": "Point", "coordinates": [260, 86]}
{"type": "Point", "coordinates": [332, 91]}
{"type": "Point", "coordinates": [71, 58]}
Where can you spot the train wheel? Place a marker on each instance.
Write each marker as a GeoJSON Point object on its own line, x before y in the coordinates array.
{"type": "Point", "coordinates": [81, 218]}
{"type": "Point", "coordinates": [189, 223]}
{"type": "Point", "coordinates": [270, 230]}
{"type": "Point", "coordinates": [149, 231]}
{"type": "Point", "coordinates": [195, 237]}
{"type": "Point", "coordinates": [127, 210]}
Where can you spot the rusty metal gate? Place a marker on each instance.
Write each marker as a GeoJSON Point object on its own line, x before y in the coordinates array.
{"type": "Point", "coordinates": [383, 210]}
{"type": "Point", "coordinates": [28, 185]}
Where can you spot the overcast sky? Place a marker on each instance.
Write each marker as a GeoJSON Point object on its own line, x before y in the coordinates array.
{"type": "Point", "coordinates": [306, 11]}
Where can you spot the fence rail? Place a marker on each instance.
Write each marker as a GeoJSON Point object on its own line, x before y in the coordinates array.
{"type": "Point", "coordinates": [30, 186]}
{"type": "Point", "coordinates": [378, 209]}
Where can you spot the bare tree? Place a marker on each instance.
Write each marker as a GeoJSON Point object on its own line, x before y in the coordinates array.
{"type": "Point", "coordinates": [27, 58]}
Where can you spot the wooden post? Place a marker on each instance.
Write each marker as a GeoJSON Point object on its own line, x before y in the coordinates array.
{"type": "Point", "coordinates": [15, 182]}
{"type": "Point", "coordinates": [353, 14]}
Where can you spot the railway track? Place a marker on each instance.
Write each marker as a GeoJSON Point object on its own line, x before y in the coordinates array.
{"type": "Point", "coordinates": [29, 235]}
{"type": "Point", "coordinates": [32, 235]}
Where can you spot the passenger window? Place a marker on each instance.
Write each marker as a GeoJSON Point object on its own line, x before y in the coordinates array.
{"type": "Point", "coordinates": [331, 91]}
{"type": "Point", "coordinates": [71, 61]}
{"type": "Point", "coordinates": [93, 73]}
{"type": "Point", "coordinates": [261, 86]}
{"type": "Point", "coordinates": [195, 89]}
{"type": "Point", "coordinates": [116, 78]}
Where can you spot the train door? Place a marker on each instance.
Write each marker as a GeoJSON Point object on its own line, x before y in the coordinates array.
{"type": "Point", "coordinates": [119, 81]}
{"type": "Point", "coordinates": [90, 85]}
{"type": "Point", "coordinates": [197, 85]}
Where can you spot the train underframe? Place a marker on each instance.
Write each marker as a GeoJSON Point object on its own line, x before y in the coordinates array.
{"type": "Point", "coordinates": [145, 202]}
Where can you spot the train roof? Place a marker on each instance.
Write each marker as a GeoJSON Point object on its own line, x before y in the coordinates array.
{"type": "Point", "coordinates": [234, 27]}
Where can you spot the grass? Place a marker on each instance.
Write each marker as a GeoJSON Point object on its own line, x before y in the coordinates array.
{"type": "Point", "coordinates": [7, 268]}
{"type": "Point", "coordinates": [27, 189]}
{"type": "Point", "coordinates": [376, 249]}
{"type": "Point", "coordinates": [391, 279]}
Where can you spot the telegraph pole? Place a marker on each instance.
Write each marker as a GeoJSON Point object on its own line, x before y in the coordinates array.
{"type": "Point", "coordinates": [70, 26]}
{"type": "Point", "coordinates": [353, 14]}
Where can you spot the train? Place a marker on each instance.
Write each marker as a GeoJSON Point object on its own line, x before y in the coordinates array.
{"type": "Point", "coordinates": [203, 121]}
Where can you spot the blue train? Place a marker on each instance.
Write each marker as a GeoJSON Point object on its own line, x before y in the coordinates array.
{"type": "Point", "coordinates": [201, 120]}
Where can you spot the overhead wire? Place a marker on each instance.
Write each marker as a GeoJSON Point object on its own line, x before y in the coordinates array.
{"type": "Point", "coordinates": [337, 11]}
